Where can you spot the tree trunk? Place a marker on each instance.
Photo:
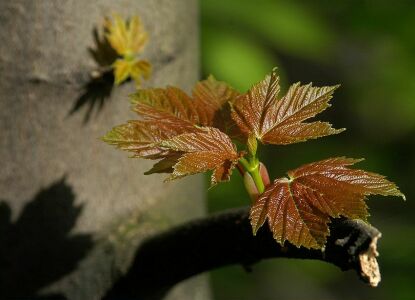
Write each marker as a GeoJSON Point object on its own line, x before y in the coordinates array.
{"type": "Point", "coordinates": [74, 210]}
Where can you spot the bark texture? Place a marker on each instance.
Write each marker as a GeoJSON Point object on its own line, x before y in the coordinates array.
{"type": "Point", "coordinates": [74, 210]}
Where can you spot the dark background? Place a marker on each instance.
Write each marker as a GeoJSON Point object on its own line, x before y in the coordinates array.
{"type": "Point", "coordinates": [369, 48]}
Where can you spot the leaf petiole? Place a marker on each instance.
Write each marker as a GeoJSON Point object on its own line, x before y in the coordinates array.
{"type": "Point", "coordinates": [252, 166]}
{"type": "Point", "coordinates": [258, 180]}
{"type": "Point", "coordinates": [245, 163]}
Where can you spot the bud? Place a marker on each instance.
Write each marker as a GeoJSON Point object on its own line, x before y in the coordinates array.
{"type": "Point", "coordinates": [249, 182]}
{"type": "Point", "coordinates": [250, 186]}
{"type": "Point", "coordinates": [264, 174]}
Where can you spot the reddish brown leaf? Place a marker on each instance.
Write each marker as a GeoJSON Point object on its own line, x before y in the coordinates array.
{"type": "Point", "coordinates": [142, 138]}
{"type": "Point", "coordinates": [208, 98]}
{"type": "Point", "coordinates": [299, 208]}
{"type": "Point", "coordinates": [207, 149]}
{"type": "Point", "coordinates": [281, 121]}
{"type": "Point", "coordinates": [223, 121]}
{"type": "Point", "coordinates": [170, 112]}
{"type": "Point", "coordinates": [157, 104]}
{"type": "Point", "coordinates": [210, 95]}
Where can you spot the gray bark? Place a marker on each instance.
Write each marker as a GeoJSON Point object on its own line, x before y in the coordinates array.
{"type": "Point", "coordinates": [73, 210]}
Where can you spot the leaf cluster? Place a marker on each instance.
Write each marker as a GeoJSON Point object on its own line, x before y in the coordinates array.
{"type": "Point", "coordinates": [128, 39]}
{"type": "Point", "coordinates": [195, 133]}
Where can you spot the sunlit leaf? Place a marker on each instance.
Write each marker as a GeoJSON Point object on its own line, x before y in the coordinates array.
{"type": "Point", "coordinates": [142, 138]}
{"type": "Point", "coordinates": [274, 120]}
{"type": "Point", "coordinates": [171, 129]}
{"type": "Point", "coordinates": [158, 104]}
{"type": "Point", "coordinates": [298, 208]}
{"type": "Point", "coordinates": [207, 149]}
{"type": "Point", "coordinates": [122, 70]}
{"type": "Point", "coordinates": [140, 69]}
{"type": "Point", "coordinates": [136, 69]}
{"type": "Point", "coordinates": [208, 99]}
{"type": "Point", "coordinates": [126, 37]}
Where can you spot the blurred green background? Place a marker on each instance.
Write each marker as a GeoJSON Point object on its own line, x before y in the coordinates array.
{"type": "Point", "coordinates": [369, 48]}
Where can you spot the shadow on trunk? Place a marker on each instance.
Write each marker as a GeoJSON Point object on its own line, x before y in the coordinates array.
{"type": "Point", "coordinates": [38, 249]}
{"type": "Point", "coordinates": [99, 87]}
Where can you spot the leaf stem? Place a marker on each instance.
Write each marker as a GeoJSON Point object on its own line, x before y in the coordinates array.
{"type": "Point", "coordinates": [251, 166]}
{"type": "Point", "coordinates": [245, 163]}
{"type": "Point", "coordinates": [258, 180]}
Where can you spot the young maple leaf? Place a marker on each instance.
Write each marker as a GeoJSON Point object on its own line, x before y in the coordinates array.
{"type": "Point", "coordinates": [142, 138]}
{"type": "Point", "coordinates": [180, 130]}
{"type": "Point", "coordinates": [167, 105]}
{"type": "Point", "coordinates": [260, 113]}
{"type": "Point", "coordinates": [206, 149]}
{"type": "Point", "coordinates": [211, 95]}
{"type": "Point", "coordinates": [123, 69]}
{"type": "Point", "coordinates": [169, 113]}
{"type": "Point", "coordinates": [299, 208]}
{"type": "Point", "coordinates": [208, 98]}
{"type": "Point", "coordinates": [128, 40]}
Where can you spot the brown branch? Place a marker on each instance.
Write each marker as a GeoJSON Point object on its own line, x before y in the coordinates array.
{"type": "Point", "coordinates": [226, 238]}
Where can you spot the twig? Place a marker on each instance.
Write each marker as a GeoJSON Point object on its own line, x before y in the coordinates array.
{"type": "Point", "coordinates": [226, 238]}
